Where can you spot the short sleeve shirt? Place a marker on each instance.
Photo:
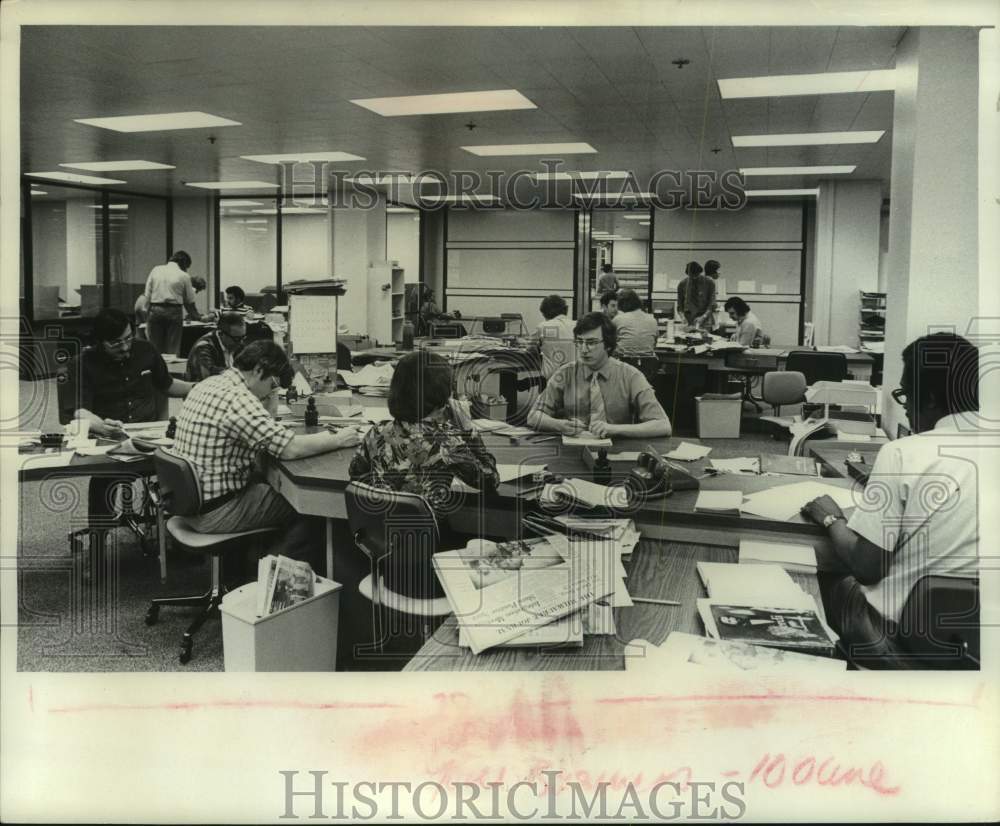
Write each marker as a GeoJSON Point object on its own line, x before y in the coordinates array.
{"type": "Point", "coordinates": [169, 284]}
{"type": "Point", "coordinates": [123, 390]}
{"type": "Point", "coordinates": [637, 333]}
{"type": "Point", "coordinates": [222, 428]}
{"type": "Point", "coordinates": [628, 397]}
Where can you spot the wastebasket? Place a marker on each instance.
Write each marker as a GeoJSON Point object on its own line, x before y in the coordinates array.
{"type": "Point", "coordinates": [302, 637]}
{"type": "Point", "coordinates": [718, 415]}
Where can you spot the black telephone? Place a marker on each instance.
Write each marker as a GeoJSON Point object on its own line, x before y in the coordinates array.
{"type": "Point", "coordinates": [653, 476]}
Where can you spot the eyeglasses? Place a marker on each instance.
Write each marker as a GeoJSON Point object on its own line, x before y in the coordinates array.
{"type": "Point", "coordinates": [587, 343]}
{"type": "Point", "coordinates": [234, 338]}
{"type": "Point", "coordinates": [899, 396]}
{"type": "Point", "coordinates": [124, 341]}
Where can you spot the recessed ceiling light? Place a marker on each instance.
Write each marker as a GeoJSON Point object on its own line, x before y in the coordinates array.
{"type": "Point", "coordinates": [256, 221]}
{"type": "Point", "coordinates": [808, 139]}
{"type": "Point", "coordinates": [110, 206]}
{"type": "Point", "coordinates": [117, 166]}
{"type": "Point", "coordinates": [75, 179]}
{"type": "Point", "coordinates": [579, 176]}
{"type": "Point", "coordinates": [239, 202]}
{"type": "Point", "coordinates": [758, 193]}
{"type": "Point", "coordinates": [642, 216]}
{"type": "Point", "coordinates": [823, 83]}
{"type": "Point", "coordinates": [459, 199]}
{"type": "Point", "coordinates": [38, 192]}
{"type": "Point", "coordinates": [291, 211]}
{"type": "Point", "coordinates": [297, 157]}
{"type": "Point", "coordinates": [406, 210]}
{"type": "Point", "coordinates": [489, 101]}
{"type": "Point", "coordinates": [158, 123]}
{"type": "Point", "coordinates": [502, 149]}
{"type": "Point", "coordinates": [607, 196]}
{"type": "Point", "coordinates": [232, 185]}
{"type": "Point", "coordinates": [798, 170]}
{"type": "Point", "coordinates": [644, 223]}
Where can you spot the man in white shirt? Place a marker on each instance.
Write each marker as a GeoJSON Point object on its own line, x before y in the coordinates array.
{"type": "Point", "coordinates": [553, 338]}
{"type": "Point", "coordinates": [919, 513]}
{"type": "Point", "coordinates": [169, 292]}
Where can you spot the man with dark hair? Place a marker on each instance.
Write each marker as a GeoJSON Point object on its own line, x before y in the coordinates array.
{"type": "Point", "coordinates": [170, 291]}
{"type": "Point", "coordinates": [553, 336]}
{"type": "Point", "coordinates": [599, 393]}
{"type": "Point", "coordinates": [636, 329]}
{"type": "Point", "coordinates": [213, 352]}
{"type": "Point", "coordinates": [695, 297]}
{"type": "Point", "coordinates": [235, 299]}
{"type": "Point", "coordinates": [748, 330]}
{"type": "Point", "coordinates": [608, 282]}
{"type": "Point", "coordinates": [223, 429]}
{"type": "Point", "coordinates": [924, 518]}
{"type": "Point", "coordinates": [609, 303]}
{"type": "Point", "coordinates": [116, 381]}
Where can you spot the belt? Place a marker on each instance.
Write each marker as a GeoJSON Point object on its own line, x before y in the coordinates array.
{"type": "Point", "coordinates": [219, 501]}
{"type": "Point", "coordinates": [164, 304]}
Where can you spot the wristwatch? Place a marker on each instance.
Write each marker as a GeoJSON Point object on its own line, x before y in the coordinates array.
{"type": "Point", "coordinates": [829, 519]}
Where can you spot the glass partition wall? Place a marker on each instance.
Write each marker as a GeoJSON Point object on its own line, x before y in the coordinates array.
{"type": "Point", "coordinates": [619, 239]}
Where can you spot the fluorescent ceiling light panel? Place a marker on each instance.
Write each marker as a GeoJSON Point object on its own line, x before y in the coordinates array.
{"type": "Point", "coordinates": [38, 192]}
{"type": "Point", "coordinates": [459, 199]}
{"type": "Point", "coordinates": [239, 202]}
{"type": "Point", "coordinates": [75, 179]}
{"type": "Point", "coordinates": [798, 170]}
{"type": "Point", "coordinates": [232, 185]}
{"type": "Point", "coordinates": [291, 211]}
{"type": "Point", "coordinates": [759, 193]}
{"type": "Point", "coordinates": [117, 166]}
{"type": "Point", "coordinates": [406, 210]}
{"type": "Point", "coordinates": [489, 101]}
{"type": "Point", "coordinates": [505, 149]}
{"type": "Point", "coordinates": [642, 216]}
{"type": "Point", "coordinates": [823, 83]}
{"type": "Point", "coordinates": [644, 223]}
{"type": "Point", "coordinates": [579, 176]}
{"type": "Point", "coordinates": [110, 206]}
{"type": "Point", "coordinates": [297, 157]}
{"type": "Point", "coordinates": [159, 123]}
{"type": "Point", "coordinates": [808, 139]}
{"type": "Point", "coordinates": [607, 196]}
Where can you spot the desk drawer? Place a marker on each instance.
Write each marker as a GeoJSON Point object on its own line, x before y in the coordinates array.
{"type": "Point", "coordinates": [746, 361]}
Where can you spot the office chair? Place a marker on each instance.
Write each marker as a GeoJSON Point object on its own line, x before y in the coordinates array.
{"type": "Point", "coordinates": [938, 628]}
{"type": "Point", "coordinates": [494, 326]}
{"type": "Point", "coordinates": [818, 366]}
{"type": "Point", "coordinates": [783, 387]}
{"type": "Point", "coordinates": [181, 497]}
{"type": "Point", "coordinates": [399, 534]}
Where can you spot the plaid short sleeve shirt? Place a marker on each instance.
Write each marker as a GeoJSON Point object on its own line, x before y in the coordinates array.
{"type": "Point", "coordinates": [222, 428]}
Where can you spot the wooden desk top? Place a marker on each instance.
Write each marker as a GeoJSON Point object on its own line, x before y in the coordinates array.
{"type": "Point", "coordinates": [661, 570]}
{"type": "Point", "coordinates": [77, 465]}
{"type": "Point", "coordinates": [833, 453]}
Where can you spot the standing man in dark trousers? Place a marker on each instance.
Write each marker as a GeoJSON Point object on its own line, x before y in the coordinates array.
{"type": "Point", "coordinates": [170, 292]}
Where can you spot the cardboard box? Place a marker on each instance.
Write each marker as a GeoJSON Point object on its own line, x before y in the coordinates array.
{"type": "Point", "coordinates": [300, 638]}
{"type": "Point", "coordinates": [718, 418]}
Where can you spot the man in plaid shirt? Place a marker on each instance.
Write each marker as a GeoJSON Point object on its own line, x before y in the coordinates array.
{"type": "Point", "coordinates": [223, 427]}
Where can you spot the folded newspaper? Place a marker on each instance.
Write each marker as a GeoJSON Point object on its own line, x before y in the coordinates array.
{"type": "Point", "coordinates": [282, 582]}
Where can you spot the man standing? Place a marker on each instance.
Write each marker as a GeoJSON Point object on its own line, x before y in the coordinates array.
{"type": "Point", "coordinates": [225, 427]}
{"type": "Point", "coordinates": [170, 292]}
{"type": "Point", "coordinates": [923, 517]}
{"type": "Point", "coordinates": [695, 297]}
{"type": "Point", "coordinates": [213, 352]}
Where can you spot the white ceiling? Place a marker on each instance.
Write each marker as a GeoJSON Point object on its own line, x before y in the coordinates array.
{"type": "Point", "coordinates": [291, 87]}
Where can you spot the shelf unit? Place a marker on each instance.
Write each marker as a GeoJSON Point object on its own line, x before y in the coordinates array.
{"type": "Point", "coordinates": [386, 303]}
{"type": "Point", "coordinates": [871, 318]}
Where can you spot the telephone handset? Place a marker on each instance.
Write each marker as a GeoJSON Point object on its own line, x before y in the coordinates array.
{"type": "Point", "coordinates": [654, 476]}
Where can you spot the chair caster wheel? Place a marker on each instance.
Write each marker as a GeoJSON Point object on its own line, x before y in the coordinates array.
{"type": "Point", "coordinates": [185, 655]}
{"type": "Point", "coordinates": [152, 615]}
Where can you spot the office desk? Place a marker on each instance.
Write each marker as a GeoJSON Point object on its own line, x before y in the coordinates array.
{"type": "Point", "coordinates": [832, 453]}
{"type": "Point", "coordinates": [660, 570]}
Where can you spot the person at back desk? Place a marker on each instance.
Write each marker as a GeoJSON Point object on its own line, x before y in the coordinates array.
{"type": "Point", "coordinates": [609, 303]}
{"type": "Point", "coordinates": [599, 393]}
{"type": "Point", "coordinates": [636, 329]}
{"type": "Point", "coordinates": [236, 300]}
{"type": "Point", "coordinates": [119, 380]}
{"type": "Point", "coordinates": [608, 282]}
{"type": "Point", "coordinates": [214, 351]}
{"type": "Point", "coordinates": [170, 292]}
{"type": "Point", "coordinates": [225, 425]}
{"type": "Point", "coordinates": [924, 518]}
{"type": "Point", "coordinates": [748, 330]}
{"type": "Point", "coordinates": [696, 297]}
{"type": "Point", "coordinates": [557, 327]}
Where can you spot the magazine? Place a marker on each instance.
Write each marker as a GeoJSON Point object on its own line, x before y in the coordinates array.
{"type": "Point", "coordinates": [795, 629]}
{"type": "Point", "coordinates": [286, 582]}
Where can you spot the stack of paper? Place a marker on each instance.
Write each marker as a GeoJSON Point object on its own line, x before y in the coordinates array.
{"type": "Point", "coordinates": [585, 493]}
{"type": "Point", "coordinates": [798, 558]}
{"type": "Point", "coordinates": [371, 380]}
{"type": "Point", "coordinates": [719, 501]}
{"type": "Point", "coordinates": [502, 591]}
{"type": "Point", "coordinates": [748, 465]}
{"type": "Point", "coordinates": [768, 585]}
{"type": "Point", "coordinates": [622, 532]}
{"type": "Point", "coordinates": [586, 439]}
{"type": "Point", "coordinates": [783, 502]}
{"type": "Point", "coordinates": [688, 452]}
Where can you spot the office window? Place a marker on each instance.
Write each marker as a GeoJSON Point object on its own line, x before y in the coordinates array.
{"type": "Point", "coordinates": [67, 252]}
{"type": "Point", "coordinates": [248, 245]}
{"type": "Point", "coordinates": [305, 242]}
{"type": "Point", "coordinates": [137, 233]}
{"type": "Point", "coordinates": [402, 240]}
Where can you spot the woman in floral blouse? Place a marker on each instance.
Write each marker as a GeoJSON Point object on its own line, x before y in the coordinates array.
{"type": "Point", "coordinates": [430, 440]}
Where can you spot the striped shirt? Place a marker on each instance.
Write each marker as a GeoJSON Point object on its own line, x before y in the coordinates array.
{"type": "Point", "coordinates": [222, 428]}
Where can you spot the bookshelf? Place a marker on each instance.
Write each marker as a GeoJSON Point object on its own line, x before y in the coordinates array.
{"type": "Point", "coordinates": [386, 303]}
{"type": "Point", "coordinates": [871, 319]}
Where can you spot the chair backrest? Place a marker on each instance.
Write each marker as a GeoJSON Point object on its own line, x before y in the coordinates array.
{"type": "Point", "coordinates": [939, 623]}
{"type": "Point", "coordinates": [494, 326]}
{"type": "Point", "coordinates": [446, 330]}
{"type": "Point", "coordinates": [555, 353]}
{"type": "Point", "coordinates": [783, 387]}
{"type": "Point", "coordinates": [818, 366]}
{"type": "Point", "coordinates": [399, 533]}
{"type": "Point", "coordinates": [180, 485]}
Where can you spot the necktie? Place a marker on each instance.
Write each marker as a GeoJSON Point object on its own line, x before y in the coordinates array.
{"type": "Point", "coordinates": [597, 411]}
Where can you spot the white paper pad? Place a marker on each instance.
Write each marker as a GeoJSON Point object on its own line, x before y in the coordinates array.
{"type": "Point", "coordinates": [719, 501]}
{"type": "Point", "coordinates": [749, 464]}
{"type": "Point", "coordinates": [586, 439]}
{"type": "Point", "coordinates": [788, 556]}
{"type": "Point", "coordinates": [687, 452]}
{"type": "Point", "coordinates": [783, 502]}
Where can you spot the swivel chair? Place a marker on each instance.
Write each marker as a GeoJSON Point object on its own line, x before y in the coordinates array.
{"type": "Point", "coordinates": [818, 366]}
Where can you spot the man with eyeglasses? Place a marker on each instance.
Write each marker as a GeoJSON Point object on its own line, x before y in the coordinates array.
{"type": "Point", "coordinates": [116, 381]}
{"type": "Point", "coordinates": [599, 393]}
{"type": "Point", "coordinates": [214, 351]}
{"type": "Point", "coordinates": [920, 513]}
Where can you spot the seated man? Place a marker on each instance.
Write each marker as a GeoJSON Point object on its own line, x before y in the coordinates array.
{"type": "Point", "coordinates": [924, 518]}
{"type": "Point", "coordinates": [116, 381]}
{"type": "Point", "coordinates": [609, 303]}
{"type": "Point", "coordinates": [597, 392]}
{"type": "Point", "coordinates": [213, 352]}
{"type": "Point", "coordinates": [224, 427]}
{"type": "Point", "coordinates": [748, 330]}
{"type": "Point", "coordinates": [636, 329]}
{"type": "Point", "coordinates": [556, 327]}
{"type": "Point", "coordinates": [235, 299]}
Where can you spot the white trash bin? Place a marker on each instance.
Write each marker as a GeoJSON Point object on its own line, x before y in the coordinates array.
{"type": "Point", "coordinates": [302, 637]}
